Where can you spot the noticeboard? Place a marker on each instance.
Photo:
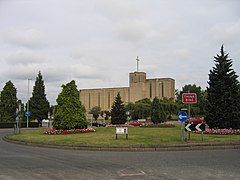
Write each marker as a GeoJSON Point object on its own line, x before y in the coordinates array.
{"type": "Point", "coordinates": [122, 130]}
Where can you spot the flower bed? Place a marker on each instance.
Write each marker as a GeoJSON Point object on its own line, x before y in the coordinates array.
{"type": "Point", "coordinates": [72, 131]}
{"type": "Point", "coordinates": [119, 125]}
{"type": "Point", "coordinates": [159, 125]}
{"type": "Point", "coordinates": [222, 131]}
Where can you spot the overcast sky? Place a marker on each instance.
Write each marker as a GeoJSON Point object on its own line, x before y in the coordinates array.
{"type": "Point", "coordinates": [96, 42]}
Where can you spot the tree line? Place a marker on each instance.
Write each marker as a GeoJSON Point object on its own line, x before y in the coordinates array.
{"type": "Point", "coordinates": [10, 106]}
{"type": "Point", "coordinates": [219, 103]}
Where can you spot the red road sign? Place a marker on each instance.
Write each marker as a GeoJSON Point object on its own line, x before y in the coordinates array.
{"type": "Point", "coordinates": [189, 98]}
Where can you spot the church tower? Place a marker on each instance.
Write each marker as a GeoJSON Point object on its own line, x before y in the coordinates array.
{"type": "Point", "coordinates": [137, 85]}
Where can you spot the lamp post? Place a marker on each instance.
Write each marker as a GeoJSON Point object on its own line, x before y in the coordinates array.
{"type": "Point", "coordinates": [28, 102]}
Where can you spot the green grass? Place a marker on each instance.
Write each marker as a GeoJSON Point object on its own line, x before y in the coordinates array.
{"type": "Point", "coordinates": [137, 136]}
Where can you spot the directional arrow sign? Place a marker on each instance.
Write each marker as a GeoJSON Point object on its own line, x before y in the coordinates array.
{"type": "Point", "coordinates": [27, 114]}
{"type": "Point", "coordinates": [182, 116]}
{"type": "Point", "coordinates": [200, 127]}
{"type": "Point", "coordinates": [195, 127]}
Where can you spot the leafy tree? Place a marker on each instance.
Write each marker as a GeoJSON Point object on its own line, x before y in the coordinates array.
{"type": "Point", "coordinates": [38, 103]}
{"type": "Point", "coordinates": [118, 111]}
{"type": "Point", "coordinates": [95, 111]}
{"type": "Point", "coordinates": [158, 114]}
{"type": "Point", "coordinates": [69, 112]}
{"type": "Point", "coordinates": [8, 103]}
{"type": "Point", "coordinates": [199, 107]}
{"type": "Point", "coordinates": [169, 106]}
{"type": "Point", "coordinates": [105, 114]}
{"type": "Point", "coordinates": [223, 94]}
{"type": "Point", "coordinates": [130, 107]}
{"type": "Point", "coordinates": [143, 108]}
{"type": "Point", "coordinates": [192, 89]}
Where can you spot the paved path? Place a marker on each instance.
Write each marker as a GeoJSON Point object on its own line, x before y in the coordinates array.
{"type": "Point", "coordinates": [25, 163]}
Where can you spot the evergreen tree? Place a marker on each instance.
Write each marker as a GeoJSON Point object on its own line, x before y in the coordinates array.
{"type": "Point", "coordinates": [69, 112]}
{"type": "Point", "coordinates": [38, 103]}
{"type": "Point", "coordinates": [118, 111]}
{"type": "Point", "coordinates": [8, 103]}
{"type": "Point", "coordinates": [158, 114]}
{"type": "Point", "coordinates": [223, 94]}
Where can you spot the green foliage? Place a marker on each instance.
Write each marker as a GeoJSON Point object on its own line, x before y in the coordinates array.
{"type": "Point", "coordinates": [223, 94]}
{"type": "Point", "coordinates": [95, 111]}
{"type": "Point", "coordinates": [142, 109]}
{"type": "Point", "coordinates": [130, 107]}
{"type": "Point", "coordinates": [69, 113]}
{"type": "Point", "coordinates": [169, 106]}
{"type": "Point", "coordinates": [38, 103]}
{"type": "Point", "coordinates": [158, 114]}
{"type": "Point", "coordinates": [8, 103]}
{"type": "Point", "coordinates": [118, 111]}
{"type": "Point", "coordinates": [199, 107]}
{"type": "Point", "coordinates": [105, 113]}
{"type": "Point", "coordinates": [192, 89]}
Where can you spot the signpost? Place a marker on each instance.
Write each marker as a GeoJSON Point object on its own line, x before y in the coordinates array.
{"type": "Point", "coordinates": [90, 116]}
{"type": "Point", "coordinates": [189, 98]}
{"type": "Point", "coordinates": [27, 114]}
{"type": "Point", "coordinates": [195, 127]}
{"type": "Point", "coordinates": [122, 130]}
{"type": "Point", "coordinates": [182, 116]}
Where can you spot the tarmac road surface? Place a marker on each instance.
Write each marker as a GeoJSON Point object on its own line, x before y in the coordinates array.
{"type": "Point", "coordinates": [19, 162]}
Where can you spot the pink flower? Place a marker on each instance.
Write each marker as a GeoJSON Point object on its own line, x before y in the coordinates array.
{"type": "Point", "coordinates": [72, 131]}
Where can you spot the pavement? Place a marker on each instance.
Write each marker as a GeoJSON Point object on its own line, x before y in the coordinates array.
{"type": "Point", "coordinates": [185, 146]}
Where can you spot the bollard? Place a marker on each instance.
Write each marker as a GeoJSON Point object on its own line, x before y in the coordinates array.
{"type": "Point", "coordinates": [14, 128]}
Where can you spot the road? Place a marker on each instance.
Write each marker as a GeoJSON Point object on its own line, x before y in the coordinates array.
{"type": "Point", "coordinates": [18, 162]}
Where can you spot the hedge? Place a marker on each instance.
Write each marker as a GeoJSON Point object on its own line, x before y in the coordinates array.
{"type": "Point", "coordinates": [23, 124]}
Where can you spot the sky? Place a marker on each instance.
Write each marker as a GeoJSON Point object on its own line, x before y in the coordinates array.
{"type": "Point", "coordinates": [96, 42]}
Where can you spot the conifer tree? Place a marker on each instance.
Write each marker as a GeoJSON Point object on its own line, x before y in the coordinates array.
{"type": "Point", "coordinates": [118, 111]}
{"type": "Point", "coordinates": [38, 103]}
{"type": "Point", "coordinates": [8, 103]}
{"type": "Point", "coordinates": [223, 100]}
{"type": "Point", "coordinates": [158, 114]}
{"type": "Point", "coordinates": [69, 112]}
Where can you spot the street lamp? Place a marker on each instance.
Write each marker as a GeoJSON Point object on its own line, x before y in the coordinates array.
{"type": "Point", "coordinates": [28, 103]}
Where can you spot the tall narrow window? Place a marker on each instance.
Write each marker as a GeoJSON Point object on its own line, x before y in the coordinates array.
{"type": "Point", "coordinates": [108, 100]}
{"type": "Point", "coordinates": [89, 100]}
{"type": "Point", "coordinates": [162, 89]}
{"type": "Point", "coordinates": [99, 100]}
{"type": "Point", "coordinates": [150, 90]}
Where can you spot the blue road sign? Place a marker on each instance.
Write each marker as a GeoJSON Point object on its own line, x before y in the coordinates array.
{"type": "Point", "coordinates": [182, 116]}
{"type": "Point", "coordinates": [27, 114]}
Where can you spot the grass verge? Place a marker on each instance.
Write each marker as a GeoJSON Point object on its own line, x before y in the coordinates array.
{"type": "Point", "coordinates": [137, 136]}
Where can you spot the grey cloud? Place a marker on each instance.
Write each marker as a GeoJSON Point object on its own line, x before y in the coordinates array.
{"type": "Point", "coordinates": [24, 57]}
{"type": "Point", "coordinates": [226, 33]}
{"type": "Point", "coordinates": [96, 42]}
{"type": "Point", "coordinates": [29, 38]}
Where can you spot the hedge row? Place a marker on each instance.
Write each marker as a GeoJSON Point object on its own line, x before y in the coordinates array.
{"type": "Point", "coordinates": [23, 124]}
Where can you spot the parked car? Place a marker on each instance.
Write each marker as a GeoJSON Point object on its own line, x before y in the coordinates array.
{"type": "Point", "coordinates": [136, 123]}
{"type": "Point", "coordinates": [194, 121]}
{"type": "Point", "coordinates": [98, 123]}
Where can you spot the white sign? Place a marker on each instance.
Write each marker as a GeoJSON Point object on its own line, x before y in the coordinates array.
{"type": "Point", "coordinates": [123, 130]}
{"type": "Point", "coordinates": [89, 116]}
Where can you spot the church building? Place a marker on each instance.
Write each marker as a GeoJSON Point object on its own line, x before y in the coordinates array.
{"type": "Point", "coordinates": [139, 88]}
